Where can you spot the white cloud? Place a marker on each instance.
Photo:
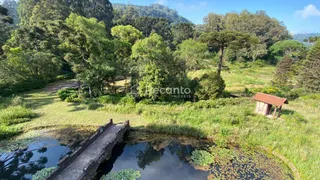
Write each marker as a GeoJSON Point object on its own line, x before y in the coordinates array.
{"type": "Point", "coordinates": [310, 10]}
{"type": "Point", "coordinates": [162, 2]}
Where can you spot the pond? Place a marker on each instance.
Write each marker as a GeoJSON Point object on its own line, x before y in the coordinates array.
{"type": "Point", "coordinates": [38, 154]}
{"type": "Point", "coordinates": [161, 157]}
{"type": "Point", "coordinates": [155, 156]}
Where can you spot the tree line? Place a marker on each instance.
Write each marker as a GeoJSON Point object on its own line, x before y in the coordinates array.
{"type": "Point", "coordinates": [99, 45]}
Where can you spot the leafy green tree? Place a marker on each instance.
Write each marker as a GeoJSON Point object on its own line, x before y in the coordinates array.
{"type": "Point", "coordinates": [89, 52]}
{"type": "Point", "coordinates": [102, 10]}
{"type": "Point", "coordinates": [161, 26]}
{"type": "Point", "coordinates": [31, 54]}
{"type": "Point", "coordinates": [310, 74]}
{"type": "Point", "coordinates": [193, 54]}
{"type": "Point", "coordinates": [123, 65]}
{"type": "Point", "coordinates": [214, 22]}
{"type": "Point", "coordinates": [182, 31]}
{"type": "Point", "coordinates": [125, 16]}
{"type": "Point", "coordinates": [49, 10]}
{"type": "Point", "coordinates": [5, 27]}
{"type": "Point", "coordinates": [269, 30]}
{"type": "Point", "coordinates": [284, 71]}
{"type": "Point", "coordinates": [227, 39]}
{"type": "Point", "coordinates": [126, 33]}
{"type": "Point", "coordinates": [25, 8]}
{"type": "Point", "coordinates": [154, 10]}
{"type": "Point", "coordinates": [156, 67]}
{"type": "Point", "coordinates": [289, 48]}
{"type": "Point", "coordinates": [210, 86]}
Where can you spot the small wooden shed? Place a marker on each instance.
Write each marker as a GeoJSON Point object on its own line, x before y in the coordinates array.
{"type": "Point", "coordinates": [265, 103]}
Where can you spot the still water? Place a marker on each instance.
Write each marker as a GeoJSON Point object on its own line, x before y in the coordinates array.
{"type": "Point", "coordinates": [169, 163]}
{"type": "Point", "coordinates": [39, 154]}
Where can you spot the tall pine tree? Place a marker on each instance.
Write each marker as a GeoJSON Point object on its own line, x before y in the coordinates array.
{"type": "Point", "coordinates": [310, 75]}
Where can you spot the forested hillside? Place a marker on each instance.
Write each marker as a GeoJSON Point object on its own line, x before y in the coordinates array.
{"type": "Point", "coordinates": [303, 36]}
{"type": "Point", "coordinates": [154, 10]}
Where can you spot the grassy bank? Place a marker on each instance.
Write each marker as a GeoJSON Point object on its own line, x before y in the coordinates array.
{"type": "Point", "coordinates": [295, 135]}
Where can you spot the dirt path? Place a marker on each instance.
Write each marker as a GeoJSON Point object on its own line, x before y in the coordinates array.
{"type": "Point", "coordinates": [54, 87]}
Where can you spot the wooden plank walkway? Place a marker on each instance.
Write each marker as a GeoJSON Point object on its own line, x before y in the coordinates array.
{"type": "Point", "coordinates": [84, 161]}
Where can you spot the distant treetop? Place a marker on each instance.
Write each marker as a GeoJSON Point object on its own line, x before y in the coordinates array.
{"type": "Point", "coordinates": [153, 10]}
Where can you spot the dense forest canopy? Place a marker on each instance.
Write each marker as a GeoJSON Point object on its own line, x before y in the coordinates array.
{"type": "Point", "coordinates": [59, 37]}
{"type": "Point", "coordinates": [154, 10]}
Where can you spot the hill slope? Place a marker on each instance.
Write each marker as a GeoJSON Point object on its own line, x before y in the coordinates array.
{"type": "Point", "coordinates": [301, 37]}
{"type": "Point", "coordinates": [154, 10]}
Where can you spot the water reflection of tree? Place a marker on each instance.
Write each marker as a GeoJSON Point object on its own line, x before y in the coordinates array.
{"type": "Point", "coordinates": [149, 155]}
{"type": "Point", "coordinates": [155, 150]}
{"type": "Point", "coordinates": [17, 164]}
{"type": "Point", "coordinates": [182, 151]}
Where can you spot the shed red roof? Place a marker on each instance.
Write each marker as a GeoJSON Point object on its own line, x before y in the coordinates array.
{"type": "Point", "coordinates": [270, 99]}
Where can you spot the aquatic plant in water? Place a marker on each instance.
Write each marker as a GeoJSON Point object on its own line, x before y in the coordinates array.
{"type": "Point", "coordinates": [202, 158]}
{"type": "Point", "coordinates": [43, 174]}
{"type": "Point", "coordinates": [125, 174]}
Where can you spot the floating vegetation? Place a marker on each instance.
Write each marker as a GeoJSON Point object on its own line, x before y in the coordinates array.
{"type": "Point", "coordinates": [43, 174]}
{"type": "Point", "coordinates": [126, 174]}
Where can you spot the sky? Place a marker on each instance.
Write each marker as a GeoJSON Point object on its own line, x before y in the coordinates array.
{"type": "Point", "coordinates": [300, 16]}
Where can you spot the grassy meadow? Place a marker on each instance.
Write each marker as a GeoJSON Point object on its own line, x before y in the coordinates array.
{"type": "Point", "coordinates": [226, 121]}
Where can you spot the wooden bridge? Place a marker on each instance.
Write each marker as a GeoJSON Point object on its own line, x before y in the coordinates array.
{"type": "Point", "coordinates": [85, 160]}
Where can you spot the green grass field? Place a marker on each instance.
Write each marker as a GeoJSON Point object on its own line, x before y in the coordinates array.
{"type": "Point", "coordinates": [296, 135]}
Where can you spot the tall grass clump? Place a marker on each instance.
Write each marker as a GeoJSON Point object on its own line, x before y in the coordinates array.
{"type": "Point", "coordinates": [15, 115]}
{"type": "Point", "coordinates": [202, 158]}
{"type": "Point", "coordinates": [8, 132]}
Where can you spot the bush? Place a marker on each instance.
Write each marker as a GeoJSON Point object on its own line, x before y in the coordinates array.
{"type": "Point", "coordinates": [43, 174]}
{"type": "Point", "coordinates": [259, 63]}
{"type": "Point", "coordinates": [211, 86]}
{"type": "Point", "coordinates": [17, 101]}
{"type": "Point", "coordinates": [126, 174]}
{"type": "Point", "coordinates": [65, 93]}
{"type": "Point", "coordinates": [7, 89]}
{"type": "Point", "coordinates": [202, 158]}
{"type": "Point", "coordinates": [127, 100]}
{"type": "Point", "coordinates": [8, 132]}
{"type": "Point", "coordinates": [15, 115]}
{"type": "Point", "coordinates": [94, 106]}
{"type": "Point", "coordinates": [109, 99]}
{"type": "Point", "coordinates": [73, 100]}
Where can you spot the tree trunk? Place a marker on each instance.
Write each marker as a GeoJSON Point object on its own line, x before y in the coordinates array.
{"type": "Point", "coordinates": [220, 60]}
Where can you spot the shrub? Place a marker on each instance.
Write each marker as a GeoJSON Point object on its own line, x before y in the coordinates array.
{"type": "Point", "coordinates": [127, 100]}
{"type": "Point", "coordinates": [8, 132]}
{"type": "Point", "coordinates": [94, 106]}
{"type": "Point", "coordinates": [7, 89]}
{"type": "Point", "coordinates": [43, 174]}
{"type": "Point", "coordinates": [17, 101]}
{"type": "Point", "coordinates": [211, 86]}
{"type": "Point", "coordinates": [126, 174]}
{"type": "Point", "coordinates": [259, 63]}
{"type": "Point", "coordinates": [109, 99]}
{"type": "Point", "coordinates": [65, 93]}
{"type": "Point", "coordinates": [73, 100]}
{"type": "Point", "coordinates": [16, 115]}
{"type": "Point", "coordinates": [202, 158]}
